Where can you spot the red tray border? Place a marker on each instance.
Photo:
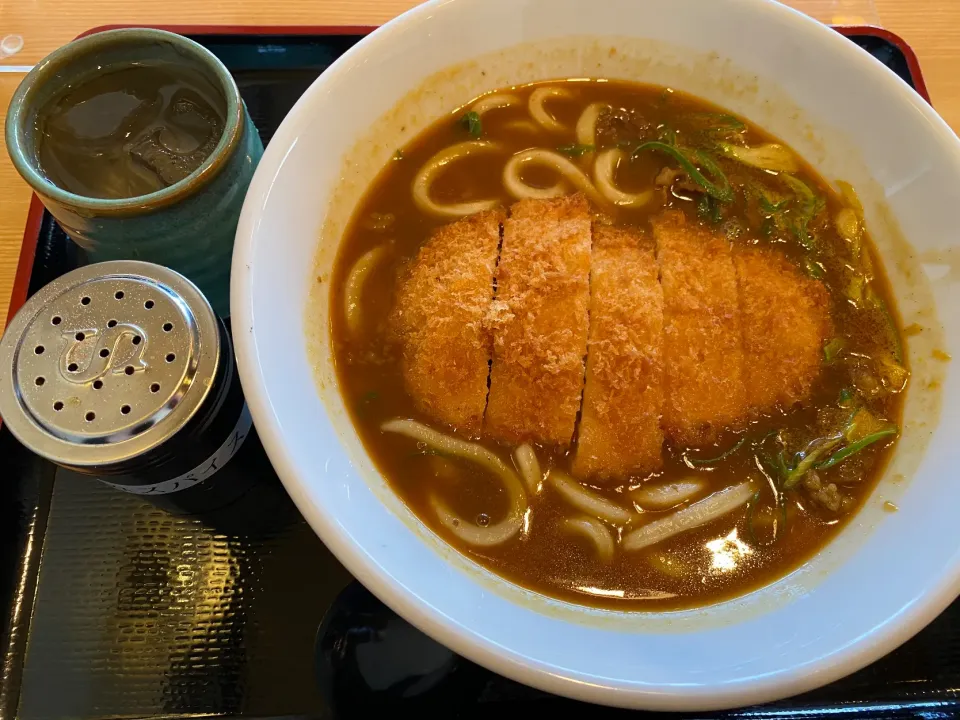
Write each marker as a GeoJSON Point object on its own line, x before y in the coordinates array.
{"type": "Point", "coordinates": [913, 63]}
{"type": "Point", "coordinates": [31, 231]}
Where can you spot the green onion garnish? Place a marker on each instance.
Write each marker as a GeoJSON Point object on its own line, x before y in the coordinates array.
{"type": "Point", "coordinates": [809, 461]}
{"type": "Point", "coordinates": [770, 207]}
{"type": "Point", "coordinates": [718, 123]}
{"type": "Point", "coordinates": [576, 150]}
{"type": "Point", "coordinates": [832, 349]}
{"type": "Point", "coordinates": [722, 456]}
{"type": "Point", "coordinates": [471, 121]}
{"type": "Point", "coordinates": [853, 448]}
{"type": "Point", "coordinates": [891, 325]}
{"type": "Point", "coordinates": [720, 190]}
{"type": "Point", "coordinates": [708, 210]}
{"type": "Point", "coordinates": [808, 207]}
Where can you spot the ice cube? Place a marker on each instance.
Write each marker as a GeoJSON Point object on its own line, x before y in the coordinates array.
{"type": "Point", "coordinates": [191, 117]}
{"type": "Point", "coordinates": [189, 134]}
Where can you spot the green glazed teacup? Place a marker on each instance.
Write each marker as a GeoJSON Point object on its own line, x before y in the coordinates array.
{"type": "Point", "coordinates": [188, 226]}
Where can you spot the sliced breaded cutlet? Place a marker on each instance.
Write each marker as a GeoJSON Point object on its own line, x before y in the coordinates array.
{"type": "Point", "coordinates": [539, 321]}
{"type": "Point", "coordinates": [702, 345]}
{"type": "Point", "coordinates": [785, 317]}
{"type": "Point", "coordinates": [439, 317]}
{"type": "Point", "coordinates": [620, 420]}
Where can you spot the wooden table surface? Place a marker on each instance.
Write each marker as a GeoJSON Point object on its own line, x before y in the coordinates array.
{"type": "Point", "coordinates": [931, 27]}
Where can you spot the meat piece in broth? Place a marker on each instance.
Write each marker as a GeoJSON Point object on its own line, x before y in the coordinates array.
{"type": "Point", "coordinates": [439, 319]}
{"type": "Point", "coordinates": [620, 422]}
{"type": "Point", "coordinates": [785, 322]}
{"type": "Point", "coordinates": [539, 319]}
{"type": "Point", "coordinates": [702, 339]}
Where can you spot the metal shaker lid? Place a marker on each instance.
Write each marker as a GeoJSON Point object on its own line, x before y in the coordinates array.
{"type": "Point", "coordinates": [107, 362]}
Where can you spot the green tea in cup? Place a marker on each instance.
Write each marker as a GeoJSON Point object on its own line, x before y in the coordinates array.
{"type": "Point", "coordinates": [131, 131]}
{"type": "Point", "coordinates": [138, 143]}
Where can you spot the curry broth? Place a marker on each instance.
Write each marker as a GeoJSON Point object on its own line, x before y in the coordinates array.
{"type": "Point", "coordinates": [730, 556]}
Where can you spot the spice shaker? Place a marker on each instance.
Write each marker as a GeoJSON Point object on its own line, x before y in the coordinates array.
{"type": "Point", "coordinates": [122, 371]}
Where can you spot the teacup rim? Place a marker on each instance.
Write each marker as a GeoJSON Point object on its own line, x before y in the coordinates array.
{"type": "Point", "coordinates": [62, 57]}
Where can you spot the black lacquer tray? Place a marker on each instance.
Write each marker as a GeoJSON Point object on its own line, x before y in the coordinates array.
{"type": "Point", "coordinates": [114, 609]}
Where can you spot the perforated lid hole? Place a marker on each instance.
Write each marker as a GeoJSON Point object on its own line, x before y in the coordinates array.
{"type": "Point", "coordinates": [155, 387]}
{"type": "Point", "coordinates": [111, 323]}
{"type": "Point", "coordinates": [104, 353]}
{"type": "Point", "coordinates": [84, 300]}
{"type": "Point", "coordinates": [148, 304]}
{"type": "Point", "coordinates": [167, 327]}
{"type": "Point", "coordinates": [97, 384]}
{"type": "Point", "coordinates": [73, 367]}
{"type": "Point", "coordinates": [38, 349]}
{"type": "Point", "coordinates": [128, 369]}
{"type": "Point", "coordinates": [90, 416]}
{"type": "Point", "coordinates": [40, 380]}
{"type": "Point", "coordinates": [137, 339]}
{"type": "Point", "coordinates": [118, 294]}
{"type": "Point", "coordinates": [79, 336]}
{"type": "Point", "coordinates": [55, 320]}
{"type": "Point", "coordinates": [125, 409]}
{"type": "Point", "coordinates": [58, 406]}
{"type": "Point", "coordinates": [171, 357]}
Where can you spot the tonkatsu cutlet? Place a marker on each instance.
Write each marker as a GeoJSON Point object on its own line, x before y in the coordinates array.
{"type": "Point", "coordinates": [539, 320]}
{"type": "Point", "coordinates": [702, 338]}
{"type": "Point", "coordinates": [620, 420]}
{"type": "Point", "coordinates": [785, 320]}
{"type": "Point", "coordinates": [686, 339]}
{"type": "Point", "coordinates": [439, 317]}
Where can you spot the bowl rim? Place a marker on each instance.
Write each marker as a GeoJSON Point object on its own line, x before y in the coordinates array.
{"type": "Point", "coordinates": [884, 637]}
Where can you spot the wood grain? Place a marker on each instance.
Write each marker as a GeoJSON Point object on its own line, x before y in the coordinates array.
{"type": "Point", "coordinates": [932, 27]}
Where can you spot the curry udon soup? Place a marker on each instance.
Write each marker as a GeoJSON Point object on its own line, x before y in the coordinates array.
{"type": "Point", "coordinates": [616, 344]}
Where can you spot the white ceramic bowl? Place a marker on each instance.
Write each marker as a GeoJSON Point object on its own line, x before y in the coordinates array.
{"type": "Point", "coordinates": [878, 583]}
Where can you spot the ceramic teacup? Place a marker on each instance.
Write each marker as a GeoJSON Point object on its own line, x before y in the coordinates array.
{"type": "Point", "coordinates": [188, 226]}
